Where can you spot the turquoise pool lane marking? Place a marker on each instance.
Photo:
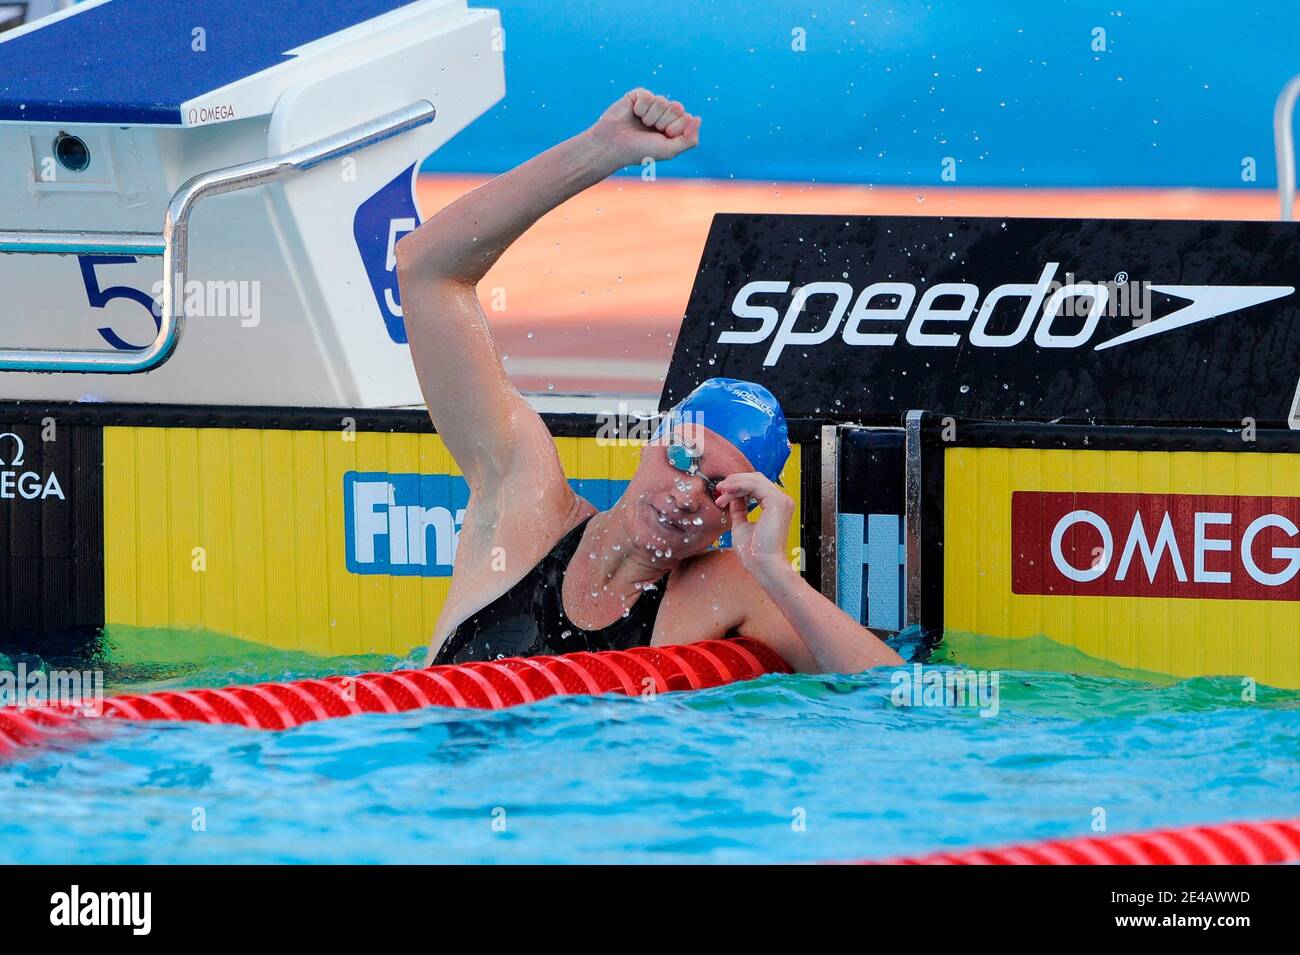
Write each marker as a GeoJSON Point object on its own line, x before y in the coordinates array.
{"type": "Point", "coordinates": [110, 245]}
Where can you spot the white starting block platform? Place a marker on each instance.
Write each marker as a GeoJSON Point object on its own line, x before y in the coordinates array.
{"type": "Point", "coordinates": [238, 172]}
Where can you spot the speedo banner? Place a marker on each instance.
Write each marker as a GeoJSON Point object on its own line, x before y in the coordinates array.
{"type": "Point", "coordinates": [1108, 321]}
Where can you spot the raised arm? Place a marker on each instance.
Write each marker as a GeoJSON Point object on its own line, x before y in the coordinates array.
{"type": "Point", "coordinates": [487, 426]}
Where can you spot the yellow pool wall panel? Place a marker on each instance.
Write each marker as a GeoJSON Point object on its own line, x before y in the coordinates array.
{"type": "Point", "coordinates": [1178, 636]}
{"type": "Point", "coordinates": [241, 531]}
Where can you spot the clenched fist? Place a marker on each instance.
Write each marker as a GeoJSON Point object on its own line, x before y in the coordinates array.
{"type": "Point", "coordinates": [641, 125]}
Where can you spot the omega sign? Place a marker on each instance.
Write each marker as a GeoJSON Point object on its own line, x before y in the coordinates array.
{"type": "Point", "coordinates": [1227, 547]}
{"type": "Point", "coordinates": [18, 483]}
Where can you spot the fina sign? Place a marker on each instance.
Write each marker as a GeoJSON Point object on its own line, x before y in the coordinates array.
{"type": "Point", "coordinates": [1034, 319]}
{"type": "Point", "coordinates": [403, 525]}
{"type": "Point", "coordinates": [408, 525]}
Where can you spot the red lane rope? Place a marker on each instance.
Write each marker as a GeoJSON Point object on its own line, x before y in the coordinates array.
{"type": "Point", "coordinates": [1236, 843]}
{"type": "Point", "coordinates": [486, 685]}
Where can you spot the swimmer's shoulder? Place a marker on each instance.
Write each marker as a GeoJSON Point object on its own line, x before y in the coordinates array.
{"type": "Point", "coordinates": [715, 575]}
{"type": "Point", "coordinates": [702, 567]}
{"type": "Point", "coordinates": [713, 596]}
{"type": "Point", "coordinates": [700, 600]}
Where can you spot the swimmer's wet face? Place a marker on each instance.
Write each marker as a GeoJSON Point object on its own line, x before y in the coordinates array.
{"type": "Point", "coordinates": [686, 457]}
{"type": "Point", "coordinates": [676, 512]}
{"type": "Point", "coordinates": [725, 426]}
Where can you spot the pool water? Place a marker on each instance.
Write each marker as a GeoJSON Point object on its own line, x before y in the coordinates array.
{"type": "Point", "coordinates": [780, 769]}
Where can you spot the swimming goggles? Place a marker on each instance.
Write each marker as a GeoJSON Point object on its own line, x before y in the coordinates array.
{"type": "Point", "coordinates": [686, 458]}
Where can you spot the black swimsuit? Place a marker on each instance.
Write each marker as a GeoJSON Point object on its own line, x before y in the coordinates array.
{"type": "Point", "coordinates": [529, 618]}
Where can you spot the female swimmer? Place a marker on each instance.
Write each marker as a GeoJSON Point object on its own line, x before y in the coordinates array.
{"type": "Point", "coordinates": [538, 569]}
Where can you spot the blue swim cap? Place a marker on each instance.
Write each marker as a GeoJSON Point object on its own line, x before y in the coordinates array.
{"type": "Point", "coordinates": [743, 412]}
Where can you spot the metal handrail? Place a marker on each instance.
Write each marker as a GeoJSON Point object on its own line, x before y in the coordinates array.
{"type": "Point", "coordinates": [173, 243]}
{"type": "Point", "coordinates": [1284, 143]}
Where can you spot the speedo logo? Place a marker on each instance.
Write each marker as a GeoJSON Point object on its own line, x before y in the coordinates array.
{"type": "Point", "coordinates": [753, 401]}
{"type": "Point", "coordinates": [883, 312]}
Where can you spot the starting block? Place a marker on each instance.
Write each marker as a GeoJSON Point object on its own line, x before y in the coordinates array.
{"type": "Point", "coordinates": [238, 172]}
